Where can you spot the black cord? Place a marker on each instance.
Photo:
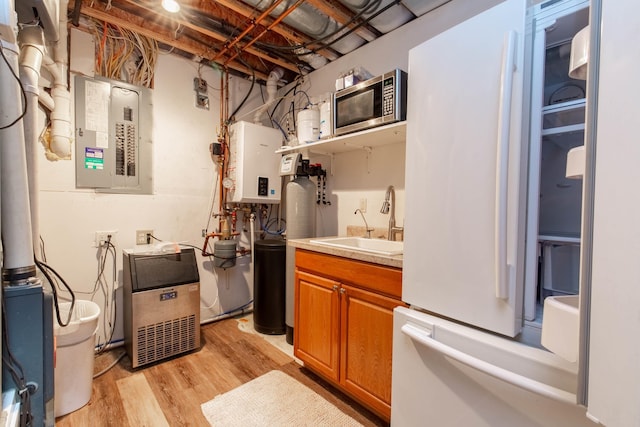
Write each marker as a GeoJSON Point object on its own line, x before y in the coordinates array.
{"type": "Point", "coordinates": [24, 95]}
{"type": "Point", "coordinates": [253, 82]}
{"type": "Point", "coordinates": [113, 313]}
{"type": "Point", "coordinates": [45, 269]}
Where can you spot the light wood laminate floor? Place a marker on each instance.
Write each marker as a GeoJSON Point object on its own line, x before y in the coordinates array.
{"type": "Point", "coordinates": [170, 393]}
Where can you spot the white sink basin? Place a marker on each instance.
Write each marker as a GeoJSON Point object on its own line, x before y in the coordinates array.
{"type": "Point", "coordinates": [376, 246]}
{"type": "Point", "coordinates": [560, 326]}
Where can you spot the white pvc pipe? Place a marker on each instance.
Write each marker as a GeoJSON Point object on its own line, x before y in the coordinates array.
{"type": "Point", "coordinates": [16, 221]}
{"type": "Point", "coordinates": [272, 89]}
{"type": "Point", "coordinates": [61, 132]}
{"type": "Point", "coordinates": [61, 129]}
{"type": "Point", "coordinates": [46, 100]}
{"type": "Point", "coordinates": [31, 54]}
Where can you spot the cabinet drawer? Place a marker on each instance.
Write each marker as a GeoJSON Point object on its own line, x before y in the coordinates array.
{"type": "Point", "coordinates": [374, 277]}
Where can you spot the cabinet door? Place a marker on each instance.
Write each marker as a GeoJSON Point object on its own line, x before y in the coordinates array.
{"type": "Point", "coordinates": [317, 331]}
{"type": "Point", "coordinates": [367, 336]}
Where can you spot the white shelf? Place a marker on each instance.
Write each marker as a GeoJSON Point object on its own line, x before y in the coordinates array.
{"type": "Point", "coordinates": [363, 140]}
{"type": "Point", "coordinates": [559, 239]}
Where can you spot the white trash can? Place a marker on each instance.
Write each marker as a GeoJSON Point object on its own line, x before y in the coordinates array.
{"type": "Point", "coordinates": [73, 373]}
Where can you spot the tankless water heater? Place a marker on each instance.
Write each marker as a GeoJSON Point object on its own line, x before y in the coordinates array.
{"type": "Point", "coordinates": [253, 174]}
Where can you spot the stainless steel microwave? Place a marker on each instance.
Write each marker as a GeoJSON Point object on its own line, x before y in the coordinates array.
{"type": "Point", "coordinates": [374, 102]}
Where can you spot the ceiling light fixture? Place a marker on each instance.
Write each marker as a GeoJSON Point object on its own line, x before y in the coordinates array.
{"type": "Point", "coordinates": [171, 6]}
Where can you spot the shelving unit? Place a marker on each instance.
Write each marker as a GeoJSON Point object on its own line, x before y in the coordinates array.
{"type": "Point", "coordinates": [564, 118]}
{"type": "Point", "coordinates": [364, 140]}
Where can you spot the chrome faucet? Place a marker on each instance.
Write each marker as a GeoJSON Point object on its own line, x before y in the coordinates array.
{"type": "Point", "coordinates": [386, 205]}
{"type": "Point", "coordinates": [366, 226]}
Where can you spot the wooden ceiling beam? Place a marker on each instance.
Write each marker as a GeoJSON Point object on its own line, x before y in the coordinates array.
{"type": "Point", "coordinates": [221, 38]}
{"type": "Point", "coordinates": [159, 34]}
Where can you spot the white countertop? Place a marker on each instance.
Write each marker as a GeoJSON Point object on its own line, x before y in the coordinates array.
{"type": "Point", "coordinates": [388, 260]}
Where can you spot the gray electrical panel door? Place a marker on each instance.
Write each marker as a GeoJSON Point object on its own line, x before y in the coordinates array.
{"type": "Point", "coordinates": [113, 136]}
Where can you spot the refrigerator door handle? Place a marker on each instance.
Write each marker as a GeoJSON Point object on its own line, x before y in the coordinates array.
{"type": "Point", "coordinates": [424, 337]}
{"type": "Point", "coordinates": [502, 164]}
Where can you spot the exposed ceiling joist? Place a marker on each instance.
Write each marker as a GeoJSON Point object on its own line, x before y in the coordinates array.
{"type": "Point", "coordinates": [161, 35]}
{"type": "Point", "coordinates": [254, 36]}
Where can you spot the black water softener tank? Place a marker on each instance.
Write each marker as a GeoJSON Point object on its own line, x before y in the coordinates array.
{"type": "Point", "coordinates": [269, 280]}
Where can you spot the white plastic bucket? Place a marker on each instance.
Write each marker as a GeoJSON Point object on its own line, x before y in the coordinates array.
{"type": "Point", "coordinates": [73, 373]}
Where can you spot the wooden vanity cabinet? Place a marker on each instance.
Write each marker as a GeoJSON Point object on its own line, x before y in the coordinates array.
{"type": "Point", "coordinates": [344, 324]}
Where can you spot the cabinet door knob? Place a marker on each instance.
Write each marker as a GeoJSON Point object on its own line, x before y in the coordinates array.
{"type": "Point", "coordinates": [343, 290]}
{"type": "Point", "coordinates": [335, 287]}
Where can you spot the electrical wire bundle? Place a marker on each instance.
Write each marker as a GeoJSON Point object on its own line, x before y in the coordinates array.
{"type": "Point", "coordinates": [124, 55]}
{"type": "Point", "coordinates": [108, 292]}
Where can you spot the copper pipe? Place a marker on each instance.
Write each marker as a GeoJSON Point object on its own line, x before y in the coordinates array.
{"type": "Point", "coordinates": [273, 24]}
{"type": "Point", "coordinates": [246, 31]}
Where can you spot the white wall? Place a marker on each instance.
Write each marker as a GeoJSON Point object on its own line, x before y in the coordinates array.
{"type": "Point", "coordinates": [185, 176]}
{"type": "Point", "coordinates": [359, 174]}
{"type": "Point", "coordinates": [184, 180]}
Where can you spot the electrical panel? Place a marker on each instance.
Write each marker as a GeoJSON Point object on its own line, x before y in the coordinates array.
{"type": "Point", "coordinates": [253, 163]}
{"type": "Point", "coordinates": [113, 136]}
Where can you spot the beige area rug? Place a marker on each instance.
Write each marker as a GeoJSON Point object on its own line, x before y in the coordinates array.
{"type": "Point", "coordinates": [273, 399]}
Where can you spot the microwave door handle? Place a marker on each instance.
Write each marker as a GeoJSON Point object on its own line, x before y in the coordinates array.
{"type": "Point", "coordinates": [502, 165]}
{"type": "Point", "coordinates": [423, 337]}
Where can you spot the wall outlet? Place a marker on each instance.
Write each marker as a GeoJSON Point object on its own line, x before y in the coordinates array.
{"type": "Point", "coordinates": [200, 85]}
{"type": "Point", "coordinates": [103, 236]}
{"type": "Point", "coordinates": [143, 237]}
{"type": "Point", "coordinates": [202, 101]}
{"type": "Point", "coordinates": [363, 205]}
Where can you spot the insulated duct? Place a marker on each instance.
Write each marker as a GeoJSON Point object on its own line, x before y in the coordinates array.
{"type": "Point", "coordinates": [310, 21]}
{"type": "Point", "coordinates": [316, 61]}
{"type": "Point", "coordinates": [387, 21]}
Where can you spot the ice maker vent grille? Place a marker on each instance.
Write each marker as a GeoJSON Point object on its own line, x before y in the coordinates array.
{"type": "Point", "coordinates": [165, 339]}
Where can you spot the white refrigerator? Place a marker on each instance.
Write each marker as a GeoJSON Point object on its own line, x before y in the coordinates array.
{"type": "Point", "coordinates": [458, 358]}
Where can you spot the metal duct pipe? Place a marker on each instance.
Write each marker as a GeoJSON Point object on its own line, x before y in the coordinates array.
{"type": "Point", "coordinates": [316, 61]}
{"type": "Point", "coordinates": [310, 21]}
{"type": "Point", "coordinates": [18, 265]}
{"type": "Point", "coordinates": [387, 21]}
{"type": "Point", "coordinates": [31, 41]}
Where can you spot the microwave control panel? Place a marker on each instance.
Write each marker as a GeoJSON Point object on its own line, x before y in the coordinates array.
{"type": "Point", "coordinates": [388, 88]}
